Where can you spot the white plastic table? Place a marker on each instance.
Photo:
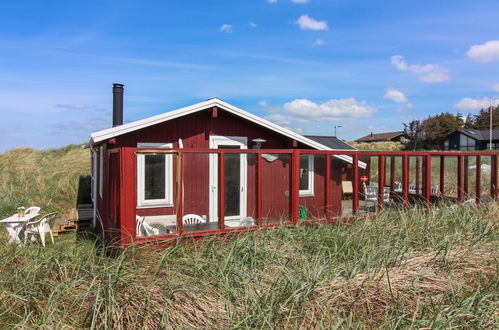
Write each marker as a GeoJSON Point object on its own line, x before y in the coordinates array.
{"type": "Point", "coordinates": [14, 225]}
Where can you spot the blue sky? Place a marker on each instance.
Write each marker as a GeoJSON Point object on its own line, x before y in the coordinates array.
{"type": "Point", "coordinates": [308, 65]}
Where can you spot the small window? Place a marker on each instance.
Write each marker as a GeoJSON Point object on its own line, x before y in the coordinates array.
{"type": "Point", "coordinates": [306, 175]}
{"type": "Point", "coordinates": [154, 178]}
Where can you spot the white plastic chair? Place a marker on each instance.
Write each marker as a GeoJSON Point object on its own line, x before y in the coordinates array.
{"type": "Point", "coordinates": [191, 219]}
{"type": "Point", "coordinates": [371, 195]}
{"type": "Point", "coordinates": [435, 189]}
{"type": "Point", "coordinates": [32, 210]}
{"type": "Point", "coordinates": [143, 228]}
{"type": "Point", "coordinates": [40, 228]}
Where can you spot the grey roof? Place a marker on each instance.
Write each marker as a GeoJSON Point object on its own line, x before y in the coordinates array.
{"type": "Point", "coordinates": [380, 136]}
{"type": "Point", "coordinates": [480, 135]}
{"type": "Point", "coordinates": [331, 142]}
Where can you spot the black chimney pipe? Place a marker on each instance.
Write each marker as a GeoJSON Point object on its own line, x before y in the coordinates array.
{"type": "Point", "coordinates": [117, 104]}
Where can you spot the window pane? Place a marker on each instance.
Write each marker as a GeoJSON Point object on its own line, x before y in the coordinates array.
{"type": "Point", "coordinates": [304, 173]}
{"type": "Point", "coordinates": [232, 179]}
{"type": "Point", "coordinates": [154, 176]}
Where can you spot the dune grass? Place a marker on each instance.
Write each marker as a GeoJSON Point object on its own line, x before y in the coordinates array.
{"type": "Point", "coordinates": [50, 179]}
{"type": "Point", "coordinates": [378, 146]}
{"type": "Point", "coordinates": [401, 270]}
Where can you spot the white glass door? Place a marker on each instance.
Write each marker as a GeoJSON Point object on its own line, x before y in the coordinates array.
{"type": "Point", "coordinates": [235, 178]}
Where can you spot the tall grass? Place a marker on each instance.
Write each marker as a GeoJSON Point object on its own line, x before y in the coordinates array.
{"type": "Point", "coordinates": [50, 179]}
{"type": "Point", "coordinates": [379, 146]}
{"type": "Point", "coordinates": [405, 269]}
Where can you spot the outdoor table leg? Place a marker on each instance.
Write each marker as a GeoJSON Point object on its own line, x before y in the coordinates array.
{"type": "Point", "coordinates": [14, 233]}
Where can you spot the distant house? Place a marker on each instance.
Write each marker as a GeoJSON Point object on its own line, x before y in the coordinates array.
{"type": "Point", "coordinates": [331, 141]}
{"type": "Point", "coordinates": [470, 139]}
{"type": "Point", "coordinates": [381, 137]}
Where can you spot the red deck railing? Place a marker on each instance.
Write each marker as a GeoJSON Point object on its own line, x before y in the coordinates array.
{"type": "Point", "coordinates": [127, 195]}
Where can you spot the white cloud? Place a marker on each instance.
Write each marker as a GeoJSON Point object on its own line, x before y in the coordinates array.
{"type": "Point", "coordinates": [495, 87]}
{"type": "Point", "coordinates": [284, 120]}
{"type": "Point", "coordinates": [430, 73]}
{"type": "Point", "coordinates": [311, 114]}
{"type": "Point", "coordinates": [319, 42]}
{"type": "Point", "coordinates": [271, 1]}
{"type": "Point", "coordinates": [252, 24]}
{"type": "Point", "coordinates": [332, 110]}
{"type": "Point", "coordinates": [80, 107]}
{"type": "Point", "coordinates": [395, 95]}
{"type": "Point", "coordinates": [434, 77]}
{"type": "Point", "coordinates": [300, 1]}
{"type": "Point", "coordinates": [486, 52]}
{"type": "Point", "coordinates": [308, 23]}
{"type": "Point", "coordinates": [227, 28]}
{"type": "Point", "coordinates": [468, 103]}
{"type": "Point", "coordinates": [404, 107]}
{"type": "Point", "coordinates": [263, 103]}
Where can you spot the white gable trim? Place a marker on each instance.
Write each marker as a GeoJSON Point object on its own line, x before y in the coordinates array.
{"type": "Point", "coordinates": [110, 133]}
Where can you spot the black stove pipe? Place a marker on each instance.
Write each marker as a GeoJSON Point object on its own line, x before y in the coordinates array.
{"type": "Point", "coordinates": [117, 104]}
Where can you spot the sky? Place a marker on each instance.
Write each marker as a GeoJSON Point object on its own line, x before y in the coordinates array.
{"type": "Point", "coordinates": [309, 65]}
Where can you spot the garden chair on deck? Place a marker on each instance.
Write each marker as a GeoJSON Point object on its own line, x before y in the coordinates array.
{"type": "Point", "coordinates": [435, 189]}
{"type": "Point", "coordinates": [371, 195]}
{"type": "Point", "coordinates": [40, 228]}
{"type": "Point", "coordinates": [192, 219]}
{"type": "Point", "coordinates": [143, 228]}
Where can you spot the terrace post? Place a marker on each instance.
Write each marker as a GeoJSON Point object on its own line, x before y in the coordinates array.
{"type": "Point", "coordinates": [381, 184]}
{"type": "Point", "coordinates": [392, 173]}
{"type": "Point", "coordinates": [259, 189]}
{"type": "Point", "coordinates": [494, 176]}
{"type": "Point", "coordinates": [221, 190]}
{"type": "Point", "coordinates": [460, 181]}
{"type": "Point", "coordinates": [180, 195]}
{"type": "Point", "coordinates": [355, 196]}
{"type": "Point", "coordinates": [442, 174]}
{"type": "Point", "coordinates": [328, 187]}
{"type": "Point", "coordinates": [466, 177]}
{"type": "Point", "coordinates": [427, 181]}
{"type": "Point", "coordinates": [295, 185]}
{"type": "Point", "coordinates": [478, 183]}
{"type": "Point", "coordinates": [418, 191]}
{"type": "Point", "coordinates": [405, 179]}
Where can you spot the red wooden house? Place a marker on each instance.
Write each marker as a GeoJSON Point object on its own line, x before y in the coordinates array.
{"type": "Point", "coordinates": [214, 168]}
{"type": "Point", "coordinates": [142, 159]}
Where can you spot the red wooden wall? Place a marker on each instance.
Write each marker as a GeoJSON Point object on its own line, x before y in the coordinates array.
{"type": "Point", "coordinates": [195, 130]}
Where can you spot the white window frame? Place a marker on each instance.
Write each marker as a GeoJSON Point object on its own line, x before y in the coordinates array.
{"type": "Point", "coordinates": [154, 203]}
{"type": "Point", "coordinates": [310, 191]}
